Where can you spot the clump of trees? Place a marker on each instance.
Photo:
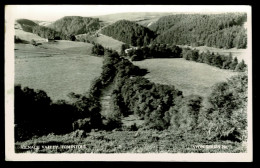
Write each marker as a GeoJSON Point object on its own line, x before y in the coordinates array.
{"type": "Point", "coordinates": [148, 100]}
{"type": "Point", "coordinates": [33, 42]}
{"type": "Point", "coordinates": [183, 117]}
{"type": "Point", "coordinates": [133, 94]}
{"type": "Point", "coordinates": [224, 115]}
{"type": "Point", "coordinates": [98, 49]}
{"type": "Point", "coordinates": [129, 32]}
{"type": "Point", "coordinates": [153, 51]}
{"type": "Point", "coordinates": [217, 60]}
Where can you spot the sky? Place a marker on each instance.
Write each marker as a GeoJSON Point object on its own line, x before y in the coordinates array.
{"type": "Point", "coordinates": [54, 12]}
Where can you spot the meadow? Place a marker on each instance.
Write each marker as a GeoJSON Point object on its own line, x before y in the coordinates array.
{"type": "Point", "coordinates": [109, 42]}
{"type": "Point", "coordinates": [105, 41]}
{"type": "Point", "coordinates": [28, 36]}
{"type": "Point", "coordinates": [58, 68]}
{"type": "Point", "coordinates": [187, 76]}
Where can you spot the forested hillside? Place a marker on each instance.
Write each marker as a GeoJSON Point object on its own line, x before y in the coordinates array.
{"type": "Point", "coordinates": [76, 25]}
{"type": "Point", "coordinates": [130, 33]}
{"type": "Point", "coordinates": [215, 30]}
{"type": "Point", "coordinates": [26, 25]}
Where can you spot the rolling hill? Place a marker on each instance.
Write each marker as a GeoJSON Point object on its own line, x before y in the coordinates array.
{"type": "Point", "coordinates": [75, 25]}
{"type": "Point", "coordinates": [57, 67]}
{"type": "Point", "coordinates": [25, 24]}
{"type": "Point", "coordinates": [129, 32]}
{"type": "Point", "coordinates": [189, 77]}
{"type": "Point", "coordinates": [27, 36]}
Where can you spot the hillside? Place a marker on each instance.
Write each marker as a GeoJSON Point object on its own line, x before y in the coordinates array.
{"type": "Point", "coordinates": [57, 67]}
{"type": "Point", "coordinates": [25, 24]}
{"type": "Point", "coordinates": [129, 32]}
{"type": "Point", "coordinates": [189, 77]}
{"type": "Point", "coordinates": [215, 30]}
{"type": "Point", "coordinates": [27, 36]}
{"type": "Point", "coordinates": [75, 25]}
{"type": "Point", "coordinates": [105, 41]}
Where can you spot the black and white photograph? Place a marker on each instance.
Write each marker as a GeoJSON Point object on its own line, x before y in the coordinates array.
{"type": "Point", "coordinates": [128, 83]}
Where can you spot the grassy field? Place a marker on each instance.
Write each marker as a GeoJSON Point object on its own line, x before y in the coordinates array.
{"type": "Point", "coordinates": [187, 76]}
{"type": "Point", "coordinates": [28, 36]}
{"type": "Point", "coordinates": [109, 42]}
{"type": "Point", "coordinates": [58, 68]}
{"type": "Point", "coordinates": [105, 41]}
{"type": "Point", "coordinates": [145, 141]}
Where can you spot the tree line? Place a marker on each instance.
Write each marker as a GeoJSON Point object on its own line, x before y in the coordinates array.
{"type": "Point", "coordinates": [151, 51]}
{"type": "Point", "coordinates": [166, 51]}
{"type": "Point", "coordinates": [217, 60]}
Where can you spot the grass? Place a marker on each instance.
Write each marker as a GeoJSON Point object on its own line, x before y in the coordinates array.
{"type": "Point", "coordinates": [58, 68]}
{"type": "Point", "coordinates": [28, 36]}
{"type": "Point", "coordinates": [141, 141]}
{"type": "Point", "coordinates": [71, 47]}
{"type": "Point", "coordinates": [105, 41]}
{"type": "Point", "coordinates": [109, 42]}
{"type": "Point", "coordinates": [187, 76]}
